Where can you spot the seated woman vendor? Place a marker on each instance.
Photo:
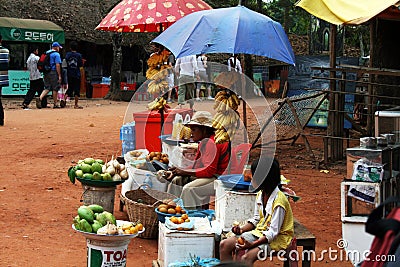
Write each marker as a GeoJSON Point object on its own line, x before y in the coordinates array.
{"type": "Point", "coordinates": [195, 185]}
{"type": "Point", "coordinates": [271, 229]}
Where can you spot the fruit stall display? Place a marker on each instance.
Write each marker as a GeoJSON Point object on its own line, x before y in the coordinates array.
{"type": "Point", "coordinates": [97, 172]}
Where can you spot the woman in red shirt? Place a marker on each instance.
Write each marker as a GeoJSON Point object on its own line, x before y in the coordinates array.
{"type": "Point", "coordinates": [195, 185]}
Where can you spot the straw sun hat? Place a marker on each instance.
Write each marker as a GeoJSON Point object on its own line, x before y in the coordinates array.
{"type": "Point", "coordinates": [202, 118]}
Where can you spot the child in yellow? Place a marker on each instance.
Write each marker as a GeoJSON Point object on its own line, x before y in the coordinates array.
{"type": "Point", "coordinates": [271, 228]}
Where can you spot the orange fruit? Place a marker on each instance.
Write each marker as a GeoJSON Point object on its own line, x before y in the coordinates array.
{"type": "Point", "coordinates": [180, 220]}
{"type": "Point", "coordinates": [184, 216]}
{"type": "Point", "coordinates": [240, 241]}
{"type": "Point", "coordinates": [133, 230]}
{"type": "Point", "coordinates": [163, 210]}
{"type": "Point", "coordinates": [173, 219]}
{"type": "Point", "coordinates": [139, 226]}
{"type": "Point", "coordinates": [171, 211]}
{"type": "Point", "coordinates": [183, 211]}
{"type": "Point", "coordinates": [162, 206]}
{"type": "Point", "coordinates": [187, 220]}
{"type": "Point", "coordinates": [178, 209]}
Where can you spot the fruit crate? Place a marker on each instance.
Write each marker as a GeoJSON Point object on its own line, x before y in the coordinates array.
{"type": "Point", "coordinates": [100, 90]}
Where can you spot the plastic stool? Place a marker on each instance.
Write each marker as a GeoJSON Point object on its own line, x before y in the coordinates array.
{"type": "Point", "coordinates": [141, 96]}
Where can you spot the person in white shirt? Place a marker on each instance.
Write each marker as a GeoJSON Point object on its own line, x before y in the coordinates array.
{"type": "Point", "coordinates": [234, 64]}
{"type": "Point", "coordinates": [36, 80]}
{"type": "Point", "coordinates": [204, 80]}
{"type": "Point", "coordinates": [187, 72]}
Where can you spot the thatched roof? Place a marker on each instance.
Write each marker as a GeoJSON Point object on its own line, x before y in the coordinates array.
{"type": "Point", "coordinates": [78, 18]}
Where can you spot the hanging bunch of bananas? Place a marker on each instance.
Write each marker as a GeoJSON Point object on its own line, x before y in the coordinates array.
{"type": "Point", "coordinates": [158, 104]}
{"type": "Point", "coordinates": [227, 119]}
{"type": "Point", "coordinates": [156, 63]}
{"type": "Point", "coordinates": [159, 82]}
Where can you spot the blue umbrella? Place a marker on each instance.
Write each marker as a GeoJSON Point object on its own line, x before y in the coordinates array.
{"type": "Point", "coordinates": [231, 30]}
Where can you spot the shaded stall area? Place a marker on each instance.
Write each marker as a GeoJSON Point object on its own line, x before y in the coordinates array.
{"type": "Point", "coordinates": [19, 36]}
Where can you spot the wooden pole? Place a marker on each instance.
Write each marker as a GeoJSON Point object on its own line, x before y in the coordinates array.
{"type": "Point", "coordinates": [370, 100]}
{"type": "Point", "coordinates": [332, 86]}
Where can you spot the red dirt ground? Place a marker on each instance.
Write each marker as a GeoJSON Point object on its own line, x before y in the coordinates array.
{"type": "Point", "coordinates": [38, 202]}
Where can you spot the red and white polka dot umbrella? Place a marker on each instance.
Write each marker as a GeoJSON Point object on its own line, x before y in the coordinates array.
{"type": "Point", "coordinates": [148, 15]}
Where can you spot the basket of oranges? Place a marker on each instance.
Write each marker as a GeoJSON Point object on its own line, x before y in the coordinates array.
{"type": "Point", "coordinates": [169, 208]}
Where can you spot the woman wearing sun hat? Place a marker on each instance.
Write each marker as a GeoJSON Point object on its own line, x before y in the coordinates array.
{"type": "Point", "coordinates": [195, 185]}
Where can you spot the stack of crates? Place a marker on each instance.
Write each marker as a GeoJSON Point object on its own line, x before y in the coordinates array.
{"type": "Point", "coordinates": [127, 136]}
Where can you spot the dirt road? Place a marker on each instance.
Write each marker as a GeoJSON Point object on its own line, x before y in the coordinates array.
{"type": "Point", "coordinates": [38, 202]}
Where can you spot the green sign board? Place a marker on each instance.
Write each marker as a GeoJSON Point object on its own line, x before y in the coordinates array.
{"type": "Point", "coordinates": [30, 30]}
{"type": "Point", "coordinates": [19, 83]}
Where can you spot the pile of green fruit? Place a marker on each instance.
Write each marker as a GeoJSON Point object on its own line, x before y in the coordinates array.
{"type": "Point", "coordinates": [96, 169]}
{"type": "Point", "coordinates": [93, 217]}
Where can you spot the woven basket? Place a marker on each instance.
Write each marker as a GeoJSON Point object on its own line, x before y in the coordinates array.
{"type": "Point", "coordinates": [145, 212]}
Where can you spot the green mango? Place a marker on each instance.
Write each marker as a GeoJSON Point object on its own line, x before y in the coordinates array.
{"type": "Point", "coordinates": [96, 208]}
{"type": "Point", "coordinates": [97, 176]}
{"type": "Point", "coordinates": [86, 168]}
{"type": "Point", "coordinates": [101, 218]}
{"type": "Point", "coordinates": [96, 167]}
{"type": "Point", "coordinates": [76, 222]}
{"type": "Point", "coordinates": [110, 217]}
{"type": "Point", "coordinates": [86, 213]}
{"type": "Point", "coordinates": [79, 173]}
{"type": "Point", "coordinates": [72, 174]}
{"type": "Point", "coordinates": [96, 225]}
{"type": "Point", "coordinates": [106, 177]}
{"type": "Point", "coordinates": [89, 161]}
{"type": "Point", "coordinates": [85, 226]}
{"type": "Point", "coordinates": [88, 176]}
{"type": "Point", "coordinates": [99, 161]}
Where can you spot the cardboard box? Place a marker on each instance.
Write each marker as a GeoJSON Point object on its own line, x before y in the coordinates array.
{"type": "Point", "coordinates": [180, 246]}
{"type": "Point", "coordinates": [232, 206]}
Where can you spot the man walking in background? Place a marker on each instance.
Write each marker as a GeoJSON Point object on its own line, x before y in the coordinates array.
{"type": "Point", "coordinates": [4, 63]}
{"type": "Point", "coordinates": [35, 79]}
{"type": "Point", "coordinates": [52, 79]}
{"type": "Point", "coordinates": [74, 64]}
{"type": "Point", "coordinates": [187, 71]}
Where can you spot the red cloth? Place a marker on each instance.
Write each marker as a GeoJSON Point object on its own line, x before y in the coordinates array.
{"type": "Point", "coordinates": [211, 158]}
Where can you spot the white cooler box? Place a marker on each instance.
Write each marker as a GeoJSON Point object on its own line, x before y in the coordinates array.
{"type": "Point", "coordinates": [180, 246]}
{"type": "Point", "coordinates": [232, 206]}
{"type": "Point", "coordinates": [137, 178]}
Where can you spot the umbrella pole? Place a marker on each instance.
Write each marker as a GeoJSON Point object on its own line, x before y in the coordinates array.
{"type": "Point", "coordinates": [162, 124]}
{"type": "Point", "coordinates": [243, 93]}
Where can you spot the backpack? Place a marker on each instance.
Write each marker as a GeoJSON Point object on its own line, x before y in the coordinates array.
{"type": "Point", "coordinates": [44, 64]}
{"type": "Point", "coordinates": [385, 248]}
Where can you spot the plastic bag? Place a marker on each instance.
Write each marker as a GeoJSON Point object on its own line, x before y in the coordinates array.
{"type": "Point", "coordinates": [196, 261]}
{"type": "Point", "coordinates": [177, 159]}
{"type": "Point", "coordinates": [177, 125]}
{"type": "Point", "coordinates": [367, 171]}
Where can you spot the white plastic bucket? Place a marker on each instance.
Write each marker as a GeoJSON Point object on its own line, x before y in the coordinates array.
{"type": "Point", "coordinates": [103, 253]}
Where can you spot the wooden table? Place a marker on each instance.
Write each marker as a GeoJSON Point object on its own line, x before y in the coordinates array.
{"type": "Point", "coordinates": [306, 240]}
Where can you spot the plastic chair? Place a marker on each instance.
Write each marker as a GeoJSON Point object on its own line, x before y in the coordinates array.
{"type": "Point", "coordinates": [239, 157]}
